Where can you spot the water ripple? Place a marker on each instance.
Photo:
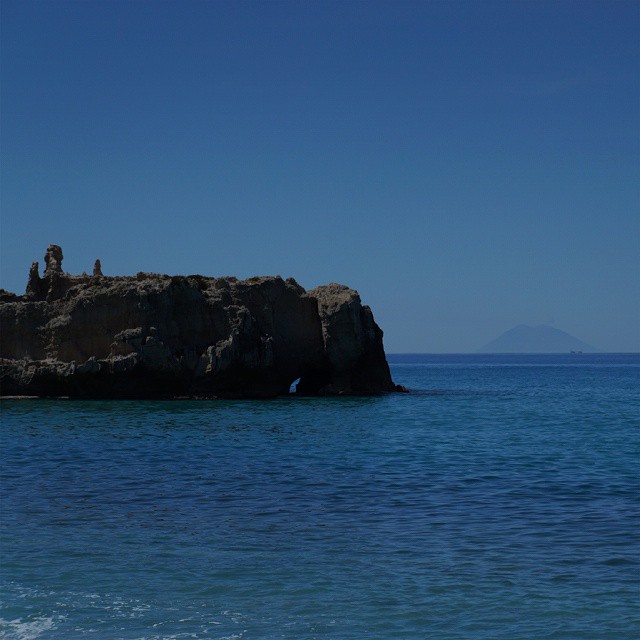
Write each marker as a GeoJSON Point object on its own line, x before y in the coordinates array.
{"type": "Point", "coordinates": [500, 502]}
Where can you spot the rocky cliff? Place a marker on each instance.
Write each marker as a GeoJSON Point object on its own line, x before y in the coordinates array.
{"type": "Point", "coordinates": [151, 335]}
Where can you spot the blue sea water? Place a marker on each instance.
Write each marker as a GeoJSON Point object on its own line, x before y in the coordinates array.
{"type": "Point", "coordinates": [498, 500]}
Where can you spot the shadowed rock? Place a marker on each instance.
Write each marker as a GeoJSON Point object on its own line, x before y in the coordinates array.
{"type": "Point", "coordinates": [97, 268]}
{"type": "Point", "coordinates": [34, 283]}
{"type": "Point", "coordinates": [53, 259]}
{"type": "Point", "coordinates": [154, 335]}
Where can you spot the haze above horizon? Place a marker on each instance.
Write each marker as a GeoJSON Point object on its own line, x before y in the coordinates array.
{"type": "Point", "coordinates": [467, 167]}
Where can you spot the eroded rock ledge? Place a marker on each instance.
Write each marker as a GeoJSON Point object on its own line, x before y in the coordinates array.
{"type": "Point", "coordinates": [151, 336]}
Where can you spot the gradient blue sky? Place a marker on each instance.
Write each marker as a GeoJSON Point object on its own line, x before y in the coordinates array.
{"type": "Point", "coordinates": [467, 166]}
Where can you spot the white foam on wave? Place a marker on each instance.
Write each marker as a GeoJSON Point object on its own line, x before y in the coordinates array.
{"type": "Point", "coordinates": [174, 636]}
{"type": "Point", "coordinates": [20, 629]}
{"type": "Point", "coordinates": [100, 613]}
{"type": "Point", "coordinates": [195, 635]}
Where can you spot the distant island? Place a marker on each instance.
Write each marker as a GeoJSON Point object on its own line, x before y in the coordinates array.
{"type": "Point", "coordinates": [153, 335]}
{"type": "Point", "coordinates": [536, 339]}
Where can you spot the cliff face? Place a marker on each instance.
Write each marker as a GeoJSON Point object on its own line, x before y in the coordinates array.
{"type": "Point", "coordinates": [158, 336]}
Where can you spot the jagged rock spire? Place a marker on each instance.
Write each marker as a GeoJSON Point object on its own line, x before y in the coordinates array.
{"type": "Point", "coordinates": [34, 283]}
{"type": "Point", "coordinates": [97, 268]}
{"type": "Point", "coordinates": [53, 259]}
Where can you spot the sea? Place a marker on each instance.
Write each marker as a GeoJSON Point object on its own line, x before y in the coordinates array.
{"type": "Point", "coordinates": [498, 500]}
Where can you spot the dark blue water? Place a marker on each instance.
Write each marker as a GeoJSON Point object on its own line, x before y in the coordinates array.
{"type": "Point", "coordinates": [499, 500]}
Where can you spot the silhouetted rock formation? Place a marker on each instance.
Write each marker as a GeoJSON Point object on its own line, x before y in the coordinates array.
{"type": "Point", "coordinates": [34, 284]}
{"type": "Point", "coordinates": [53, 259]}
{"type": "Point", "coordinates": [154, 335]}
{"type": "Point", "coordinates": [97, 268]}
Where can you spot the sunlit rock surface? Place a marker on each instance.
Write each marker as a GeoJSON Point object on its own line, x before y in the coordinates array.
{"type": "Point", "coordinates": [154, 335]}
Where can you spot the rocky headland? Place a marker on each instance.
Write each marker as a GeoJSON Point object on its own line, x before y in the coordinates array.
{"type": "Point", "coordinates": [159, 336]}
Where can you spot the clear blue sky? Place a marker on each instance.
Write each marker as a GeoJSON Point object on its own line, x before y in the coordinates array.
{"type": "Point", "coordinates": [467, 166]}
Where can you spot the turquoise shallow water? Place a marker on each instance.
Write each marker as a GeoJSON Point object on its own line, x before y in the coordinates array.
{"type": "Point", "coordinates": [497, 501]}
